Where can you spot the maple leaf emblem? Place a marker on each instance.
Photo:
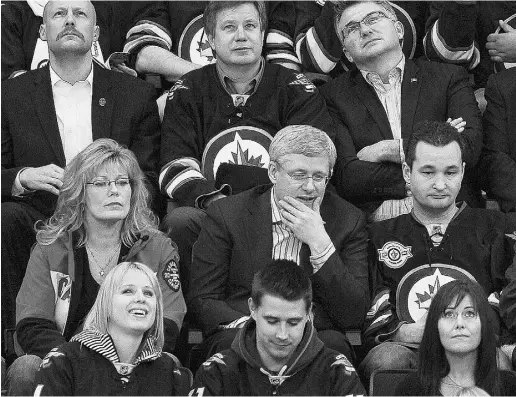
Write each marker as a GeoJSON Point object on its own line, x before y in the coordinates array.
{"type": "Point", "coordinates": [425, 298]}
{"type": "Point", "coordinates": [241, 157]}
{"type": "Point", "coordinates": [202, 47]}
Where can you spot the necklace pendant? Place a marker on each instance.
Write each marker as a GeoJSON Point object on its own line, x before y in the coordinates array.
{"type": "Point", "coordinates": [101, 273]}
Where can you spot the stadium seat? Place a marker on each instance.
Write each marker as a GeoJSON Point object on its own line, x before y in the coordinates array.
{"type": "Point", "coordinates": [385, 381]}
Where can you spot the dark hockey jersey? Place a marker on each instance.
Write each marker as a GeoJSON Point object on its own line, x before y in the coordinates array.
{"type": "Point", "coordinates": [205, 126]}
{"type": "Point", "coordinates": [408, 269]}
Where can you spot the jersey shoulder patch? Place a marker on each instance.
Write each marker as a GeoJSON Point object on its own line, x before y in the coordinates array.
{"type": "Point", "coordinates": [394, 254]}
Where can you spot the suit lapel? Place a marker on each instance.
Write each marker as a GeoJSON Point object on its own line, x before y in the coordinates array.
{"type": "Point", "coordinates": [46, 112]}
{"type": "Point", "coordinates": [410, 88]}
{"type": "Point", "coordinates": [368, 97]}
{"type": "Point", "coordinates": [327, 213]}
{"type": "Point", "coordinates": [102, 104]}
{"type": "Point", "coordinates": [258, 227]}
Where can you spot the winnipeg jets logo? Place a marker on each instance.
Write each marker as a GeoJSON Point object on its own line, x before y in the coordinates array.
{"type": "Point", "coordinates": [394, 254]}
{"type": "Point", "coordinates": [238, 145]}
{"type": "Point", "coordinates": [418, 287]}
{"type": "Point", "coordinates": [194, 45]}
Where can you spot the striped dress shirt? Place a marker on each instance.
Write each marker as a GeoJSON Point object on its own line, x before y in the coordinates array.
{"type": "Point", "coordinates": [285, 245]}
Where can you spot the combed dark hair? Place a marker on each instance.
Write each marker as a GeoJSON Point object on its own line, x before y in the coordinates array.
{"type": "Point", "coordinates": [214, 7]}
{"type": "Point", "coordinates": [433, 364]}
{"type": "Point", "coordinates": [284, 279]}
{"type": "Point", "coordinates": [339, 6]}
{"type": "Point", "coordinates": [434, 133]}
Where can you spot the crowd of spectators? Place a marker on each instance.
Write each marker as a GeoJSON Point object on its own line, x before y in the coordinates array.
{"type": "Point", "coordinates": [288, 175]}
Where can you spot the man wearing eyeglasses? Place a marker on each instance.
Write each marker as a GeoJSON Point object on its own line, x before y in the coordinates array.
{"type": "Point", "coordinates": [376, 107]}
{"type": "Point", "coordinates": [296, 219]}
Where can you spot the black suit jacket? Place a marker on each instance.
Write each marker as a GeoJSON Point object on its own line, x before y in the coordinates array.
{"type": "Point", "coordinates": [30, 133]}
{"type": "Point", "coordinates": [498, 160]}
{"type": "Point", "coordinates": [429, 91]}
{"type": "Point", "coordinates": [236, 241]}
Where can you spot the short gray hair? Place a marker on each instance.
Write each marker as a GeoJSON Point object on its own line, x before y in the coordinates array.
{"type": "Point", "coordinates": [302, 139]}
{"type": "Point", "coordinates": [342, 5]}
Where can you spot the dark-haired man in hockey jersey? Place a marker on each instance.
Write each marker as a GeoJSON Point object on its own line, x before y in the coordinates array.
{"type": "Point", "coordinates": [439, 241]}
{"type": "Point", "coordinates": [228, 112]}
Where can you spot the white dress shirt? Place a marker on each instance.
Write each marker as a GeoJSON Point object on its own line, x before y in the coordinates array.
{"type": "Point", "coordinates": [73, 111]}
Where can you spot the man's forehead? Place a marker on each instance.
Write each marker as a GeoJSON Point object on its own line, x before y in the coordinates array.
{"type": "Point", "coordinates": [242, 11]}
{"type": "Point", "coordinates": [444, 156]}
{"type": "Point", "coordinates": [358, 11]}
{"type": "Point", "coordinates": [294, 160]}
{"type": "Point", "coordinates": [273, 306]}
{"type": "Point", "coordinates": [56, 4]}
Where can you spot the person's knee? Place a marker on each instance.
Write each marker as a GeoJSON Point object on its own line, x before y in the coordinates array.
{"type": "Point", "coordinates": [13, 216]}
{"type": "Point", "coordinates": [183, 221]}
{"type": "Point", "coordinates": [337, 341]}
{"type": "Point", "coordinates": [21, 375]}
{"type": "Point", "coordinates": [390, 355]}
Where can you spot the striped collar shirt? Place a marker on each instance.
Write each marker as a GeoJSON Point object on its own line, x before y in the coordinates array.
{"type": "Point", "coordinates": [389, 94]}
{"type": "Point", "coordinates": [285, 245]}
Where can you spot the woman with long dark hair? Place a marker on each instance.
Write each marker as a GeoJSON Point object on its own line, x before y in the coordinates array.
{"type": "Point", "coordinates": [458, 348]}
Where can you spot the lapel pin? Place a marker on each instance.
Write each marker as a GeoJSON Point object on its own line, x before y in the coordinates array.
{"type": "Point", "coordinates": [102, 101]}
{"type": "Point", "coordinates": [413, 80]}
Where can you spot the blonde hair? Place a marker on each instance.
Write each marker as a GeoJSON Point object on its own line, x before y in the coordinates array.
{"type": "Point", "coordinates": [71, 203]}
{"type": "Point", "coordinates": [101, 311]}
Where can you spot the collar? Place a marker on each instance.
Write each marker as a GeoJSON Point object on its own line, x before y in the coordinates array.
{"type": "Point", "coordinates": [276, 216]}
{"type": "Point", "coordinates": [254, 82]}
{"type": "Point", "coordinates": [373, 77]}
{"type": "Point", "coordinates": [37, 6]}
{"type": "Point", "coordinates": [103, 344]}
{"type": "Point", "coordinates": [55, 78]}
{"type": "Point", "coordinates": [461, 205]}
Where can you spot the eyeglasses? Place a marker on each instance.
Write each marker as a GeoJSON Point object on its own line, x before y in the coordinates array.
{"type": "Point", "coordinates": [104, 183]}
{"type": "Point", "coordinates": [300, 178]}
{"type": "Point", "coordinates": [369, 20]}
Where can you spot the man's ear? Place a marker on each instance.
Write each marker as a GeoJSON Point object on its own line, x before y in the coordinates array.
{"type": "Point", "coordinates": [96, 33]}
{"type": "Point", "coordinates": [252, 308]}
{"type": "Point", "coordinates": [347, 54]}
{"type": "Point", "coordinates": [42, 32]}
{"type": "Point", "coordinates": [211, 41]}
{"type": "Point", "coordinates": [273, 171]}
{"type": "Point", "coordinates": [311, 313]}
{"type": "Point", "coordinates": [406, 172]}
{"type": "Point", "coordinates": [400, 29]}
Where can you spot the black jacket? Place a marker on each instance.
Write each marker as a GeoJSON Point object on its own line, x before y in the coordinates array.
{"type": "Point", "coordinates": [89, 366]}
